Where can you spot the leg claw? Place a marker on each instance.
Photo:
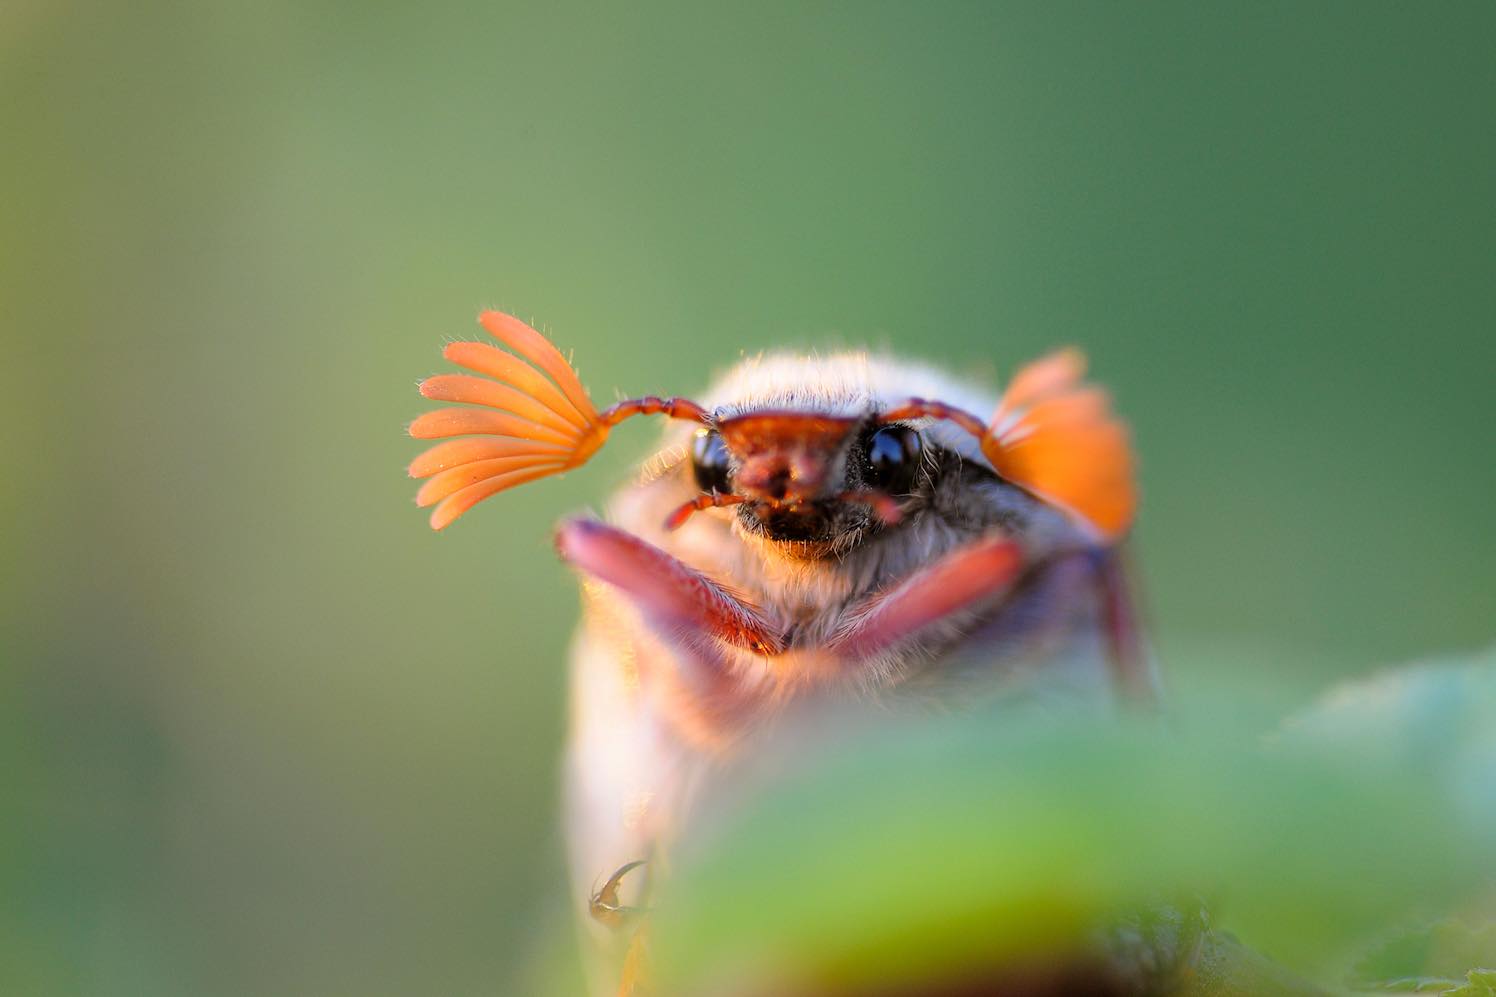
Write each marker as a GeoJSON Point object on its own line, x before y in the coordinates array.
{"type": "Point", "coordinates": [604, 905]}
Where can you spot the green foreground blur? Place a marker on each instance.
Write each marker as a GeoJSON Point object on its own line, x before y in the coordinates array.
{"type": "Point", "coordinates": [1352, 846]}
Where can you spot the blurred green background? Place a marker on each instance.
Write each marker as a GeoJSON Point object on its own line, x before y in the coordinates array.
{"type": "Point", "coordinates": [264, 733]}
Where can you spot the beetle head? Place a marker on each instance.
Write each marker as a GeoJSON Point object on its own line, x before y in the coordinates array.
{"type": "Point", "coordinates": [800, 474]}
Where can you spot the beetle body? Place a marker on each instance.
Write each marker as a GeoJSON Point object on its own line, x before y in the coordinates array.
{"type": "Point", "coordinates": [817, 538]}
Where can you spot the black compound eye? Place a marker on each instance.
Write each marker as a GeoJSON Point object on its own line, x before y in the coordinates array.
{"type": "Point", "coordinates": [893, 455]}
{"type": "Point", "coordinates": [709, 461]}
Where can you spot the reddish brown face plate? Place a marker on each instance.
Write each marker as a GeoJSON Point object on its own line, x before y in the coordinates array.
{"type": "Point", "coordinates": [784, 455]}
{"type": "Point", "coordinates": [755, 432]}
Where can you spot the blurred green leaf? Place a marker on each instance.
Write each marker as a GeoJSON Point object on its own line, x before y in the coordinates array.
{"type": "Point", "coordinates": [1478, 983]}
{"type": "Point", "coordinates": [976, 841]}
{"type": "Point", "coordinates": [1427, 721]}
{"type": "Point", "coordinates": [1435, 957]}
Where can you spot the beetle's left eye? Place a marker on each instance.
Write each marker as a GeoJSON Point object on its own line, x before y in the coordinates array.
{"type": "Point", "coordinates": [709, 461]}
{"type": "Point", "coordinates": [893, 455]}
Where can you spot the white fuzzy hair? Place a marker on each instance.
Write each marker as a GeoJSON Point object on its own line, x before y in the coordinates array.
{"type": "Point", "coordinates": [851, 383]}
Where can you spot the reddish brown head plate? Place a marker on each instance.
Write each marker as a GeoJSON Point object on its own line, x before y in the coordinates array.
{"type": "Point", "coordinates": [785, 455]}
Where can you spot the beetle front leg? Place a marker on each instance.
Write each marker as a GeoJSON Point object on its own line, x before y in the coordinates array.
{"type": "Point", "coordinates": [982, 574]}
{"type": "Point", "coordinates": [966, 578]}
{"type": "Point", "coordinates": [663, 588]}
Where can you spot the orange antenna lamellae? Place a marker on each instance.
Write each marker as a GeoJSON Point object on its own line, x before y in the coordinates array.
{"type": "Point", "coordinates": [532, 418]}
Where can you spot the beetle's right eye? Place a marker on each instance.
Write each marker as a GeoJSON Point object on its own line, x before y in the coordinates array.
{"type": "Point", "coordinates": [709, 461]}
